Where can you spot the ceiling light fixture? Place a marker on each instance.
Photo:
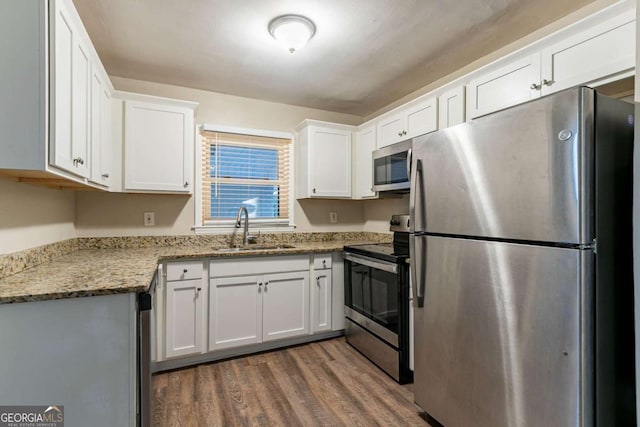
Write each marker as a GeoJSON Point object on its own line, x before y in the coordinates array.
{"type": "Point", "coordinates": [292, 31]}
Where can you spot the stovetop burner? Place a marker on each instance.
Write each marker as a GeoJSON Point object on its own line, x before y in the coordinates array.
{"type": "Point", "coordinates": [397, 251]}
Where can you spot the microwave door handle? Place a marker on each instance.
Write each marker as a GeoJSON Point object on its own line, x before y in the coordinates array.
{"type": "Point", "coordinates": [413, 195]}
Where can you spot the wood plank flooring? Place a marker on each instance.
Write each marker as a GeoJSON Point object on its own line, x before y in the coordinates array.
{"type": "Point", "coordinates": [324, 383]}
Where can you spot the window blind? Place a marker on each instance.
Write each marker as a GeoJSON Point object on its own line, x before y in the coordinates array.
{"type": "Point", "coordinates": [244, 170]}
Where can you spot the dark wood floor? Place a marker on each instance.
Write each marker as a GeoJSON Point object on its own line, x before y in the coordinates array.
{"type": "Point", "coordinates": [326, 383]}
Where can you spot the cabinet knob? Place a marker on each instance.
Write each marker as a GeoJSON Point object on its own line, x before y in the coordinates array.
{"type": "Point", "coordinates": [318, 280]}
{"type": "Point", "coordinates": [105, 175]}
{"type": "Point", "coordinates": [186, 184]}
{"type": "Point", "coordinates": [535, 86]}
{"type": "Point", "coordinates": [198, 289]}
{"type": "Point", "coordinates": [404, 132]}
{"type": "Point", "coordinates": [399, 133]}
{"type": "Point", "coordinates": [314, 190]}
{"type": "Point", "coordinates": [259, 284]}
{"type": "Point", "coordinates": [547, 82]}
{"type": "Point", "coordinates": [185, 270]}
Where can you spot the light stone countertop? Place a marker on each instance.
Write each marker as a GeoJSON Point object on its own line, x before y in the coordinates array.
{"type": "Point", "coordinates": [91, 272]}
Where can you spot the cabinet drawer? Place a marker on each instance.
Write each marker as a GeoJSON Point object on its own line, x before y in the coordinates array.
{"type": "Point", "coordinates": [242, 266]}
{"type": "Point", "coordinates": [321, 261]}
{"type": "Point", "coordinates": [184, 270]}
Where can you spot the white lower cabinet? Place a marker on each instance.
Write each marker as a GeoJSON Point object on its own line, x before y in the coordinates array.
{"type": "Point", "coordinates": [235, 312]}
{"type": "Point", "coordinates": [248, 301]}
{"type": "Point", "coordinates": [321, 301]}
{"type": "Point", "coordinates": [285, 299]}
{"type": "Point", "coordinates": [270, 303]}
{"type": "Point", "coordinates": [184, 311]}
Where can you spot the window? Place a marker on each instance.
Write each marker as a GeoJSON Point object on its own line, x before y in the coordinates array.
{"type": "Point", "coordinates": [242, 170]}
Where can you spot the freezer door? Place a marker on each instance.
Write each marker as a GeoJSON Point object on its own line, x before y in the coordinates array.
{"type": "Point", "coordinates": [524, 173]}
{"type": "Point", "coordinates": [498, 341]}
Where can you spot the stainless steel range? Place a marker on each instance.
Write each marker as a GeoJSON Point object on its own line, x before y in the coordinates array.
{"type": "Point", "coordinates": [377, 299]}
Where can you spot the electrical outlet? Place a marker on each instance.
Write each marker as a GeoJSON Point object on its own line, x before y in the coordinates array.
{"type": "Point", "coordinates": [149, 219]}
{"type": "Point", "coordinates": [333, 217]}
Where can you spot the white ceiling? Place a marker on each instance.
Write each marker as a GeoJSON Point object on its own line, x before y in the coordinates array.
{"type": "Point", "coordinates": [365, 53]}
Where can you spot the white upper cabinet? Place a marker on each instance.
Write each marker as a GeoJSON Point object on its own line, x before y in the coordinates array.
{"type": "Point", "coordinates": [391, 130]}
{"type": "Point", "coordinates": [451, 108]}
{"type": "Point", "coordinates": [158, 144]}
{"type": "Point", "coordinates": [50, 111]}
{"type": "Point", "coordinates": [365, 143]}
{"type": "Point", "coordinates": [101, 144]}
{"type": "Point", "coordinates": [71, 92]}
{"type": "Point", "coordinates": [323, 160]}
{"type": "Point", "coordinates": [601, 51]}
{"type": "Point", "coordinates": [413, 119]}
{"type": "Point", "coordinates": [508, 85]}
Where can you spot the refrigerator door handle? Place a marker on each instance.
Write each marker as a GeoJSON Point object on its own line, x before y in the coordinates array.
{"type": "Point", "coordinates": [417, 170]}
{"type": "Point", "coordinates": [409, 157]}
{"type": "Point", "coordinates": [417, 268]}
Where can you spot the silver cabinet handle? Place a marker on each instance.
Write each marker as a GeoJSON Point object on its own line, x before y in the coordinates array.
{"type": "Point", "coordinates": [535, 86]}
{"type": "Point", "coordinates": [547, 82]}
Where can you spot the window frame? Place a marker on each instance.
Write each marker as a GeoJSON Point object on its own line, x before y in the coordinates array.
{"type": "Point", "coordinates": [228, 225]}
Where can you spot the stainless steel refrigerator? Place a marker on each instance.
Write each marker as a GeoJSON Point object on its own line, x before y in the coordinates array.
{"type": "Point", "coordinates": [521, 258]}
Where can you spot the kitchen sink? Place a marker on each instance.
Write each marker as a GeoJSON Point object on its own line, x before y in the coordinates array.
{"type": "Point", "coordinates": [250, 248]}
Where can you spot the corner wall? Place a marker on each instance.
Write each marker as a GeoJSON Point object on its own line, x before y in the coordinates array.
{"type": "Point", "coordinates": [32, 216]}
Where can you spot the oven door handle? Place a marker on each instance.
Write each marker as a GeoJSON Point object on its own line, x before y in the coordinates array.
{"type": "Point", "coordinates": [373, 263]}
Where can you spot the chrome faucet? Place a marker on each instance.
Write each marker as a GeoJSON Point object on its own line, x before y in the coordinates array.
{"type": "Point", "coordinates": [245, 239]}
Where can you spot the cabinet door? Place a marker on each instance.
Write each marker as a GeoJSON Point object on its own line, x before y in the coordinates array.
{"type": "Point", "coordinates": [235, 311]}
{"type": "Point", "coordinates": [391, 130]}
{"type": "Point", "coordinates": [330, 162]}
{"type": "Point", "coordinates": [184, 318]}
{"type": "Point", "coordinates": [321, 301]}
{"type": "Point", "coordinates": [363, 163]}
{"type": "Point", "coordinates": [70, 93]}
{"type": "Point", "coordinates": [100, 128]}
{"type": "Point", "coordinates": [285, 305]}
{"type": "Point", "coordinates": [597, 53]}
{"type": "Point", "coordinates": [509, 85]}
{"type": "Point", "coordinates": [421, 118]}
{"type": "Point", "coordinates": [158, 147]}
{"type": "Point", "coordinates": [451, 108]}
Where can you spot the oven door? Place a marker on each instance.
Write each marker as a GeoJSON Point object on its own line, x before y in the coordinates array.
{"type": "Point", "coordinates": [372, 295]}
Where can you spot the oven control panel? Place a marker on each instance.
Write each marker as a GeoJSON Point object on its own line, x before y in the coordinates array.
{"type": "Point", "coordinates": [399, 223]}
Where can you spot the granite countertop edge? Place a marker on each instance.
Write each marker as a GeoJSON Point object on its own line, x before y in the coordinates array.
{"type": "Point", "coordinates": [95, 272]}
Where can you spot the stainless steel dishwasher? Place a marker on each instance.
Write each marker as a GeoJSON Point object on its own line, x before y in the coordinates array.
{"type": "Point", "coordinates": [145, 306]}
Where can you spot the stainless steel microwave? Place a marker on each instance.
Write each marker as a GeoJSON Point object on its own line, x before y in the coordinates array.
{"type": "Point", "coordinates": [391, 166]}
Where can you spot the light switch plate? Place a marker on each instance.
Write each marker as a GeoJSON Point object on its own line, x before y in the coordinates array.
{"type": "Point", "coordinates": [333, 217]}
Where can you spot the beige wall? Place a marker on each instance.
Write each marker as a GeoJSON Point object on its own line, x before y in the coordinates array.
{"type": "Point", "coordinates": [100, 214]}
{"type": "Point", "coordinates": [31, 216]}
{"type": "Point", "coordinates": [378, 212]}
